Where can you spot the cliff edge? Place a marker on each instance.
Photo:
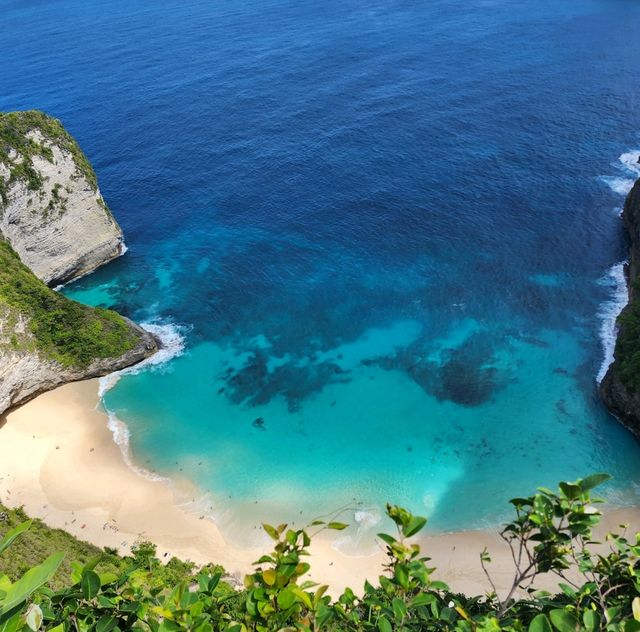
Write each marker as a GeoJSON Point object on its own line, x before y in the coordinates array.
{"type": "Point", "coordinates": [51, 210]}
{"type": "Point", "coordinates": [620, 388]}
{"type": "Point", "coordinates": [54, 227]}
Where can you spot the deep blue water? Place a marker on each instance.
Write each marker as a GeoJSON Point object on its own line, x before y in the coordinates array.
{"type": "Point", "coordinates": [382, 229]}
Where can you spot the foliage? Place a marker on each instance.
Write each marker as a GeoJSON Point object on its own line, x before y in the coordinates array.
{"type": "Point", "coordinates": [627, 351]}
{"type": "Point", "coordinates": [14, 127]}
{"type": "Point", "coordinates": [40, 541]}
{"type": "Point", "coordinates": [552, 532]}
{"type": "Point", "coordinates": [66, 331]}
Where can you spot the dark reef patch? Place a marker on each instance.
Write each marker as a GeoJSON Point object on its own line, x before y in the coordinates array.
{"type": "Point", "coordinates": [535, 342]}
{"type": "Point", "coordinates": [466, 383]}
{"type": "Point", "coordinates": [464, 375]}
{"type": "Point", "coordinates": [255, 384]}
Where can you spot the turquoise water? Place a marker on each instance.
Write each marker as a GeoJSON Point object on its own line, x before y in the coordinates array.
{"type": "Point", "coordinates": [380, 240]}
{"type": "Point", "coordinates": [376, 435]}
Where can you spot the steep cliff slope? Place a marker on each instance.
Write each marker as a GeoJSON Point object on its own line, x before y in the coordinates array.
{"type": "Point", "coordinates": [54, 226]}
{"type": "Point", "coordinates": [51, 210]}
{"type": "Point", "coordinates": [620, 388]}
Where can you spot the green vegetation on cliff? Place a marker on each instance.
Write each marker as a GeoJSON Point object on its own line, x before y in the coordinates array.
{"type": "Point", "coordinates": [551, 533]}
{"type": "Point", "coordinates": [627, 353]}
{"type": "Point", "coordinates": [61, 329]}
{"type": "Point", "coordinates": [14, 130]}
{"type": "Point", "coordinates": [40, 541]}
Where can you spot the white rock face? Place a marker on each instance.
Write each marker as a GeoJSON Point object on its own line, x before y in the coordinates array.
{"type": "Point", "coordinates": [63, 229]}
{"type": "Point", "coordinates": [52, 214]}
{"type": "Point", "coordinates": [23, 375]}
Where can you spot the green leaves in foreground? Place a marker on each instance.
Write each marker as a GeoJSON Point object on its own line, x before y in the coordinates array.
{"type": "Point", "coordinates": [14, 595]}
{"type": "Point", "coordinates": [552, 532]}
{"type": "Point", "coordinates": [34, 578]}
{"type": "Point", "coordinates": [13, 534]}
{"type": "Point", "coordinates": [540, 623]}
{"type": "Point", "coordinates": [90, 584]}
{"type": "Point", "coordinates": [276, 595]}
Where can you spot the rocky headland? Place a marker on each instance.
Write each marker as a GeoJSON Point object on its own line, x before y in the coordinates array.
{"type": "Point", "coordinates": [54, 227]}
{"type": "Point", "coordinates": [620, 388]}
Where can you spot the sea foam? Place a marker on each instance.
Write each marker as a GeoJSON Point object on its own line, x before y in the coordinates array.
{"type": "Point", "coordinates": [618, 185]}
{"type": "Point", "coordinates": [360, 542]}
{"type": "Point", "coordinates": [172, 345]}
{"type": "Point", "coordinates": [615, 277]}
{"type": "Point", "coordinates": [609, 312]}
{"type": "Point", "coordinates": [628, 163]}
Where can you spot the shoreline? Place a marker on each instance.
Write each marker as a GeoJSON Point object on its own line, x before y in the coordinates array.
{"type": "Point", "coordinates": [60, 462]}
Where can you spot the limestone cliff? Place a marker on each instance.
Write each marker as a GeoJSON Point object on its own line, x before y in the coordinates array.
{"type": "Point", "coordinates": [54, 227]}
{"type": "Point", "coordinates": [620, 388]}
{"type": "Point", "coordinates": [25, 374]}
{"type": "Point", "coordinates": [51, 210]}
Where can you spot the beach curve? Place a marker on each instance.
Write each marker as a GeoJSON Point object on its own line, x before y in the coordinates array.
{"type": "Point", "coordinates": [60, 463]}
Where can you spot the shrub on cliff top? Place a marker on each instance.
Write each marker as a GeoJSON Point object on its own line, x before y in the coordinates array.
{"type": "Point", "coordinates": [66, 331]}
{"type": "Point", "coordinates": [14, 127]}
{"type": "Point", "coordinates": [627, 352]}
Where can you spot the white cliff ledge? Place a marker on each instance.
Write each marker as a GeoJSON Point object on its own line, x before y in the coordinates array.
{"type": "Point", "coordinates": [51, 210]}
{"type": "Point", "coordinates": [54, 227]}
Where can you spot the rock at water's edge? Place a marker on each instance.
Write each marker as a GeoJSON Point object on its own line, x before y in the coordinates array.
{"type": "Point", "coordinates": [620, 401]}
{"type": "Point", "coordinates": [57, 224]}
{"type": "Point", "coordinates": [24, 376]}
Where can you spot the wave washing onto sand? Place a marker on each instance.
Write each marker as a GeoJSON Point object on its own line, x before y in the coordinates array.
{"type": "Point", "coordinates": [609, 312]}
{"type": "Point", "coordinates": [361, 543]}
{"type": "Point", "coordinates": [172, 345]}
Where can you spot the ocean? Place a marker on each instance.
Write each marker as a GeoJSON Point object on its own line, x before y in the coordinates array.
{"type": "Point", "coordinates": [381, 241]}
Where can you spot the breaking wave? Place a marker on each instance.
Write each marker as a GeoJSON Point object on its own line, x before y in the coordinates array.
{"type": "Point", "coordinates": [172, 345]}
{"type": "Point", "coordinates": [609, 312]}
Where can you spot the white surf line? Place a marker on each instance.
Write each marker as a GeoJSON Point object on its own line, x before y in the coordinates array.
{"type": "Point", "coordinates": [609, 312]}
{"type": "Point", "coordinates": [172, 345]}
{"type": "Point", "coordinates": [615, 276]}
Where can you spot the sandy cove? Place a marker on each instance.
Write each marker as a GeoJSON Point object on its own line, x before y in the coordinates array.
{"type": "Point", "coordinates": [58, 460]}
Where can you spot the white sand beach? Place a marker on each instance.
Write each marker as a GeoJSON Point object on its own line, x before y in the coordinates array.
{"type": "Point", "coordinates": [59, 461]}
